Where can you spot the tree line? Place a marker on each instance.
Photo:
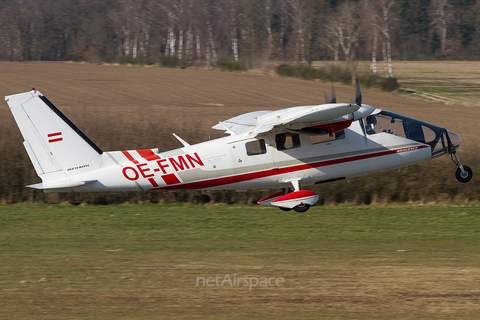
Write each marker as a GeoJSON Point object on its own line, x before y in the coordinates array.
{"type": "Point", "coordinates": [252, 31]}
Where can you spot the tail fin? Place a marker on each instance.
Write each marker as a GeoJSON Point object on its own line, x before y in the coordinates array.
{"type": "Point", "coordinates": [56, 147]}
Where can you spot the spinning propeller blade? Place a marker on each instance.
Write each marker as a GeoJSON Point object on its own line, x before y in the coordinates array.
{"type": "Point", "coordinates": [334, 96]}
{"type": "Point", "coordinates": [358, 97]}
{"type": "Point", "coordinates": [327, 99]}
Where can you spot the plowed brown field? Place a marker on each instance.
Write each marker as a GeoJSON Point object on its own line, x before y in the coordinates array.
{"type": "Point", "coordinates": [122, 108]}
{"type": "Point", "coordinates": [201, 96]}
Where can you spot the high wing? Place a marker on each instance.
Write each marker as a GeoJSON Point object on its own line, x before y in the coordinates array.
{"type": "Point", "coordinates": [294, 118]}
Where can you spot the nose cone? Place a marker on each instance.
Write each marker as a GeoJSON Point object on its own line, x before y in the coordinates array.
{"type": "Point", "coordinates": [455, 139]}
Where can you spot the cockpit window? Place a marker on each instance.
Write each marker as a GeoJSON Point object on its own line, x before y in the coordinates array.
{"type": "Point", "coordinates": [398, 125]}
{"type": "Point", "coordinates": [287, 140]}
{"type": "Point", "coordinates": [382, 123]}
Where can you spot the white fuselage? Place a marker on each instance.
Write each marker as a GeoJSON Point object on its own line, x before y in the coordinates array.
{"type": "Point", "coordinates": [224, 163]}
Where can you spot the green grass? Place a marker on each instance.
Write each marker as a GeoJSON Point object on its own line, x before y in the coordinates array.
{"type": "Point", "coordinates": [142, 261]}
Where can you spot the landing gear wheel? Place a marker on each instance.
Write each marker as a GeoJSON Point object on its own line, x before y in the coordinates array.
{"type": "Point", "coordinates": [301, 207]}
{"type": "Point", "coordinates": [464, 176]}
{"type": "Point", "coordinates": [285, 209]}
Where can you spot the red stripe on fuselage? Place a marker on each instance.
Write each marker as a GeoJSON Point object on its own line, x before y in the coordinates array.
{"type": "Point", "coordinates": [129, 157]}
{"type": "Point", "coordinates": [148, 155]}
{"type": "Point", "coordinates": [272, 172]}
{"type": "Point", "coordinates": [153, 182]}
{"type": "Point", "coordinates": [170, 179]}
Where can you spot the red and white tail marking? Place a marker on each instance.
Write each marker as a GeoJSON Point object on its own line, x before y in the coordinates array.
{"type": "Point", "coordinates": [54, 137]}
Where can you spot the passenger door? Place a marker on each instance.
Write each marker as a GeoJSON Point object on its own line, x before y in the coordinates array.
{"type": "Point", "coordinates": [250, 158]}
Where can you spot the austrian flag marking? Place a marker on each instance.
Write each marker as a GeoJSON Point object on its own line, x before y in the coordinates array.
{"type": "Point", "coordinates": [54, 137]}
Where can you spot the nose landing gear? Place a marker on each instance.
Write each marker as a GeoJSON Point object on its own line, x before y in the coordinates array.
{"type": "Point", "coordinates": [463, 173]}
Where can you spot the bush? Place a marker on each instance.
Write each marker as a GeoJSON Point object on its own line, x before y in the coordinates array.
{"type": "Point", "coordinates": [226, 65]}
{"type": "Point", "coordinates": [108, 58]}
{"type": "Point", "coordinates": [169, 62]}
{"type": "Point", "coordinates": [301, 71]}
{"type": "Point", "coordinates": [287, 70]}
{"type": "Point", "coordinates": [78, 57]}
{"type": "Point", "coordinates": [333, 73]}
{"type": "Point", "coordinates": [126, 60]}
{"type": "Point", "coordinates": [338, 74]}
{"type": "Point", "coordinates": [369, 79]}
{"type": "Point", "coordinates": [140, 61]}
{"type": "Point", "coordinates": [389, 84]}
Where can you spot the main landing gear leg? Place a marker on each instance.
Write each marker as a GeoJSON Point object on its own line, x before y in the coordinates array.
{"type": "Point", "coordinates": [463, 173]}
{"type": "Point", "coordinates": [288, 199]}
{"type": "Point", "coordinates": [303, 206]}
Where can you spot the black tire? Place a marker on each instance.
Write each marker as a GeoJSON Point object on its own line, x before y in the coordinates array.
{"type": "Point", "coordinates": [301, 207]}
{"type": "Point", "coordinates": [285, 209]}
{"type": "Point", "coordinates": [466, 176]}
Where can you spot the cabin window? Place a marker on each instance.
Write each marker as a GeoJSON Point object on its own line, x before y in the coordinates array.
{"type": "Point", "coordinates": [256, 147]}
{"type": "Point", "coordinates": [286, 141]}
{"type": "Point", "coordinates": [325, 137]}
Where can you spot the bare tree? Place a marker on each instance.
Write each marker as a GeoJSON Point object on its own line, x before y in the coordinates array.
{"type": "Point", "coordinates": [296, 11]}
{"type": "Point", "coordinates": [371, 17]}
{"type": "Point", "coordinates": [331, 37]}
{"type": "Point", "coordinates": [172, 9]}
{"type": "Point", "coordinates": [229, 15]}
{"type": "Point", "coordinates": [384, 26]}
{"type": "Point", "coordinates": [10, 36]}
{"type": "Point", "coordinates": [266, 19]}
{"type": "Point", "coordinates": [144, 20]}
{"type": "Point", "coordinates": [210, 46]}
{"type": "Point", "coordinates": [343, 29]}
{"type": "Point", "coordinates": [125, 20]}
{"type": "Point", "coordinates": [283, 15]}
{"type": "Point", "coordinates": [442, 16]}
{"type": "Point", "coordinates": [380, 15]}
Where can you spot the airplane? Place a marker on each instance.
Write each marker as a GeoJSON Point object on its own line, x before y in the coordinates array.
{"type": "Point", "coordinates": [285, 149]}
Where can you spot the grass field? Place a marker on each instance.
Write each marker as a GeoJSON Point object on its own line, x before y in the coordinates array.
{"type": "Point", "coordinates": [142, 262]}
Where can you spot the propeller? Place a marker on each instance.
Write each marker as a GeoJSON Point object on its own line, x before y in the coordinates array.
{"type": "Point", "coordinates": [358, 94]}
{"type": "Point", "coordinates": [334, 96]}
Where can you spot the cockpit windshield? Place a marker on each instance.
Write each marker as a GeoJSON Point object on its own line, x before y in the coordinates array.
{"type": "Point", "coordinates": [396, 124]}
